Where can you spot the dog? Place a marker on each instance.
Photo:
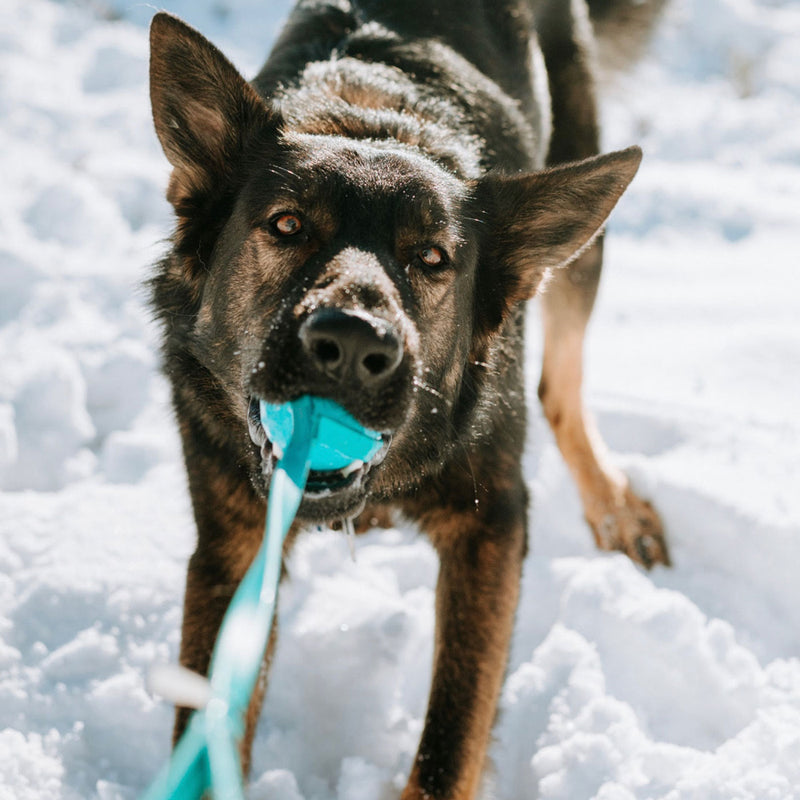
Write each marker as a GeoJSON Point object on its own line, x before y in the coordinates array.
{"type": "Point", "coordinates": [364, 221]}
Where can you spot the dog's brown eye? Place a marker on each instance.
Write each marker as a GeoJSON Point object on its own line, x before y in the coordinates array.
{"type": "Point", "coordinates": [433, 257]}
{"type": "Point", "coordinates": [287, 224]}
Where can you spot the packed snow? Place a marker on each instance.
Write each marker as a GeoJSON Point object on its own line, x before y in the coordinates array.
{"type": "Point", "coordinates": [679, 684]}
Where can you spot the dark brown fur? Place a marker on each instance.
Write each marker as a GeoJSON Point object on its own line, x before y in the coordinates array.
{"type": "Point", "coordinates": [382, 141]}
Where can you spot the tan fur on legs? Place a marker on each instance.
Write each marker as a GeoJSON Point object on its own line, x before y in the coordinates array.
{"type": "Point", "coordinates": [481, 552]}
{"type": "Point", "coordinates": [619, 519]}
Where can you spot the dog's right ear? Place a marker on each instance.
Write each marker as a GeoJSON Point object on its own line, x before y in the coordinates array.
{"type": "Point", "coordinates": [203, 109]}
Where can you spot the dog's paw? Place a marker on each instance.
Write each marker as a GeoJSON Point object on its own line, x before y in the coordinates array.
{"type": "Point", "coordinates": [631, 525]}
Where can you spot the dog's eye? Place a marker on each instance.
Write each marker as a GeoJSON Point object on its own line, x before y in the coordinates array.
{"type": "Point", "coordinates": [286, 224]}
{"type": "Point", "coordinates": [433, 257]}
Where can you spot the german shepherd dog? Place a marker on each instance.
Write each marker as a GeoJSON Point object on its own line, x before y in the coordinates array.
{"type": "Point", "coordinates": [364, 221]}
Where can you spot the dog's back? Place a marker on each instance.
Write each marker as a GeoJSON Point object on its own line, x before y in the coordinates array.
{"type": "Point", "coordinates": [460, 68]}
{"type": "Point", "coordinates": [453, 47]}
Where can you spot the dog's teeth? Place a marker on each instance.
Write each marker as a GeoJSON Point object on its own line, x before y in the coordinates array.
{"type": "Point", "coordinates": [256, 432]}
{"type": "Point", "coordinates": [351, 468]}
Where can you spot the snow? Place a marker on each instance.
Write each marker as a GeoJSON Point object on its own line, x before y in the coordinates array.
{"type": "Point", "coordinates": [680, 684]}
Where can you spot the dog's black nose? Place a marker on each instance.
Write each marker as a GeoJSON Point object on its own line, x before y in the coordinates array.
{"type": "Point", "coordinates": [351, 347]}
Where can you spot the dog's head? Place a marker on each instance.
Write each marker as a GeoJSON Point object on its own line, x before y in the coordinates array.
{"type": "Point", "coordinates": [363, 270]}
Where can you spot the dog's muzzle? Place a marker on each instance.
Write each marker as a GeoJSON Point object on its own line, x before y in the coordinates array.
{"type": "Point", "coordinates": [353, 358]}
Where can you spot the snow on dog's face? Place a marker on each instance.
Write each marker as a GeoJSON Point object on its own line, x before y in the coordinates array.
{"type": "Point", "coordinates": [365, 269]}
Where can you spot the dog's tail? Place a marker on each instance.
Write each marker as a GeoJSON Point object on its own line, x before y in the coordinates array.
{"type": "Point", "coordinates": [623, 29]}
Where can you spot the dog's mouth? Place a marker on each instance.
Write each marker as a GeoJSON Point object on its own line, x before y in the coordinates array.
{"type": "Point", "coordinates": [328, 493]}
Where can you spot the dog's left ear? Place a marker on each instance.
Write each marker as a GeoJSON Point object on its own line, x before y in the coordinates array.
{"type": "Point", "coordinates": [203, 109]}
{"type": "Point", "coordinates": [535, 223]}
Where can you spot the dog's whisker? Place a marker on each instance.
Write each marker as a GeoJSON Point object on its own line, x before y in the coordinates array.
{"type": "Point", "coordinates": [276, 169]}
{"type": "Point", "coordinates": [427, 388]}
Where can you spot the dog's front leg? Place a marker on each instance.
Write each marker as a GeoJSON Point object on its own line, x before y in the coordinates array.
{"type": "Point", "coordinates": [208, 595]}
{"type": "Point", "coordinates": [230, 529]}
{"type": "Point", "coordinates": [481, 551]}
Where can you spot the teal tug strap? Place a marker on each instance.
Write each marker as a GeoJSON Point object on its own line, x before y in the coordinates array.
{"type": "Point", "coordinates": [312, 433]}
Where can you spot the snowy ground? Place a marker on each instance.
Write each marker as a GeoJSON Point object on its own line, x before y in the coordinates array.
{"type": "Point", "coordinates": [683, 684]}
